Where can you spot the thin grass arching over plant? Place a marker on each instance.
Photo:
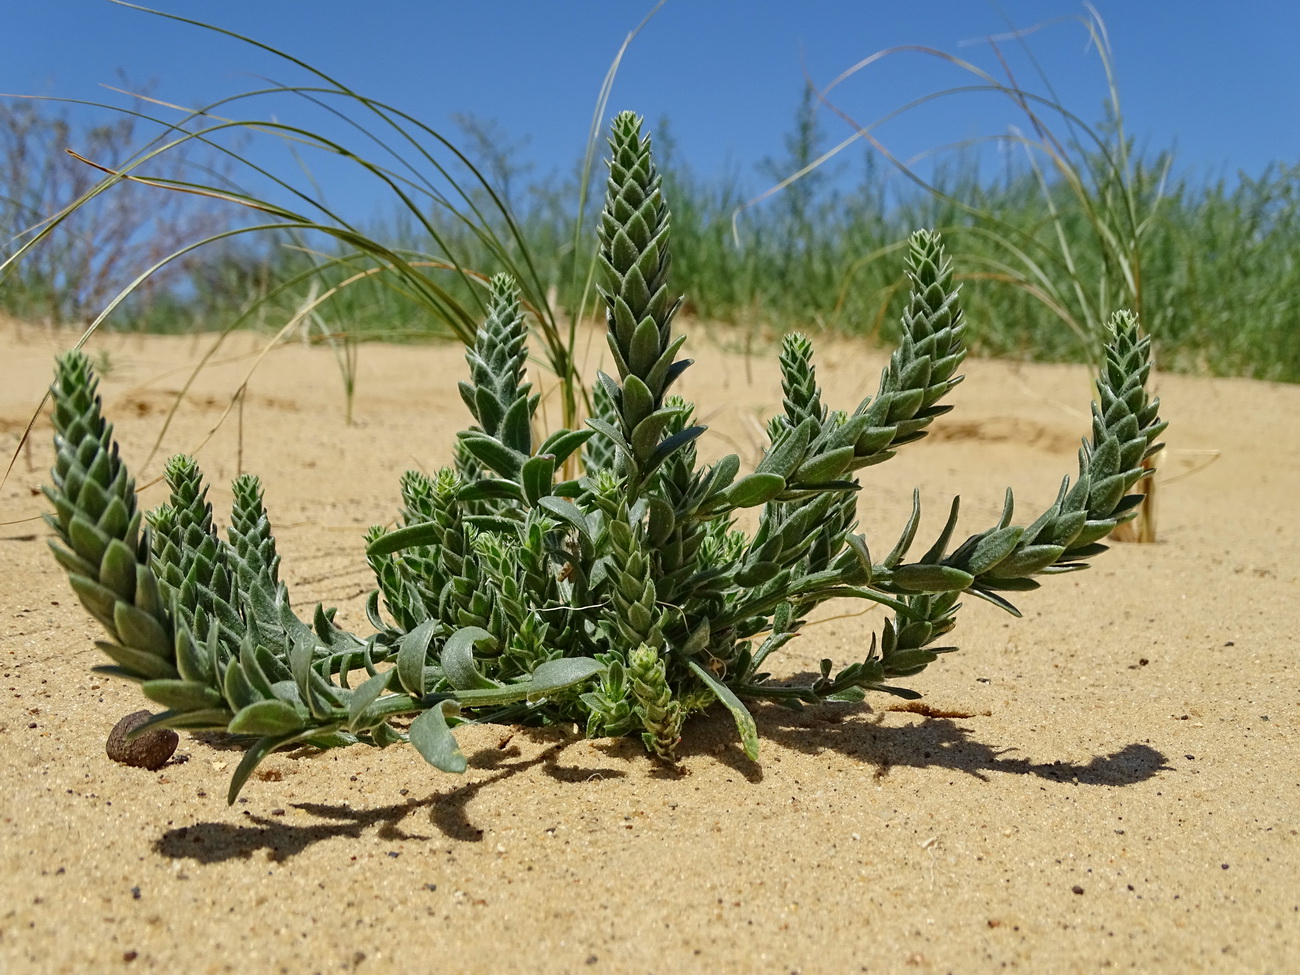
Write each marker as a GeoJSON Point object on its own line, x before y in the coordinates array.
{"type": "Point", "coordinates": [1099, 200]}
{"type": "Point", "coordinates": [460, 230]}
{"type": "Point", "coordinates": [623, 600]}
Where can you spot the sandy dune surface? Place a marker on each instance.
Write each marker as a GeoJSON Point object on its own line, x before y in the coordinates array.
{"type": "Point", "coordinates": [1110, 783]}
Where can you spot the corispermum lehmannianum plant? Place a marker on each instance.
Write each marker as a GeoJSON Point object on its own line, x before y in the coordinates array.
{"type": "Point", "coordinates": [622, 601]}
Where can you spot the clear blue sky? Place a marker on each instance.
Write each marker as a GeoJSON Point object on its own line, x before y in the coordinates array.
{"type": "Point", "coordinates": [1218, 82]}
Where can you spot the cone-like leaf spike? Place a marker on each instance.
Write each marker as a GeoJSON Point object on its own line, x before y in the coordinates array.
{"type": "Point", "coordinates": [923, 368]}
{"type": "Point", "coordinates": [99, 532]}
{"type": "Point", "coordinates": [634, 262]}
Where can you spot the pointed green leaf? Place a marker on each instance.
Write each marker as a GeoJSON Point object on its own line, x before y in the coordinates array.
{"type": "Point", "coordinates": [136, 628]}
{"type": "Point", "coordinates": [192, 660]}
{"type": "Point", "coordinates": [756, 574]}
{"type": "Point", "coordinates": [645, 438]}
{"type": "Point", "coordinates": [610, 431]}
{"type": "Point", "coordinates": [117, 570]}
{"type": "Point", "coordinates": [97, 599]}
{"type": "Point", "coordinates": [457, 658]}
{"type": "Point", "coordinates": [670, 445]}
{"type": "Point", "coordinates": [252, 667]}
{"type": "Point", "coordinates": [412, 652]}
{"type": "Point", "coordinates": [744, 720]}
{"type": "Point", "coordinates": [490, 489]}
{"type": "Point", "coordinates": [537, 476]}
{"type": "Point", "coordinates": [638, 403]}
{"type": "Point", "coordinates": [363, 697]}
{"type": "Point", "coordinates": [516, 432]}
{"type": "Point", "coordinates": [751, 490]}
{"type": "Point", "coordinates": [433, 739]}
{"type": "Point", "coordinates": [904, 663]}
{"type": "Point", "coordinates": [909, 533]}
{"type": "Point", "coordinates": [919, 577]}
{"type": "Point", "coordinates": [787, 453]}
{"type": "Point", "coordinates": [493, 454]}
{"type": "Point", "coordinates": [426, 533]}
{"type": "Point", "coordinates": [142, 666]}
{"type": "Point", "coordinates": [722, 474]}
{"type": "Point", "coordinates": [182, 695]}
{"type": "Point", "coordinates": [660, 524]}
{"type": "Point", "coordinates": [269, 717]}
{"type": "Point", "coordinates": [562, 443]}
{"type": "Point", "coordinates": [940, 545]}
{"type": "Point", "coordinates": [1026, 561]}
{"type": "Point", "coordinates": [87, 540]}
{"type": "Point", "coordinates": [824, 467]}
{"type": "Point", "coordinates": [858, 574]}
{"type": "Point", "coordinates": [567, 512]}
{"type": "Point", "coordinates": [69, 560]}
{"type": "Point", "coordinates": [210, 719]}
{"type": "Point", "coordinates": [553, 675]}
{"type": "Point", "coordinates": [256, 753]}
{"type": "Point", "coordinates": [301, 656]}
{"type": "Point", "coordinates": [980, 553]}
{"type": "Point", "coordinates": [487, 410]}
{"type": "Point", "coordinates": [643, 351]}
{"type": "Point", "coordinates": [906, 693]}
{"type": "Point", "coordinates": [237, 689]}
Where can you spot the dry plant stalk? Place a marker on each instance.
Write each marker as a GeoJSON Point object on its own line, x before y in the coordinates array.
{"type": "Point", "coordinates": [623, 600]}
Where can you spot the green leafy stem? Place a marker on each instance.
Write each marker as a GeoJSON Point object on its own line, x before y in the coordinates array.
{"type": "Point", "coordinates": [621, 601]}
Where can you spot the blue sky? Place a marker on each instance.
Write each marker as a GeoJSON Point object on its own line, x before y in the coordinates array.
{"type": "Point", "coordinates": [1217, 82]}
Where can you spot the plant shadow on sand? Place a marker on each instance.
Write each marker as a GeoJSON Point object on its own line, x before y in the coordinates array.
{"type": "Point", "coordinates": [855, 731]}
{"type": "Point", "coordinates": [215, 842]}
{"type": "Point", "coordinates": [937, 741]}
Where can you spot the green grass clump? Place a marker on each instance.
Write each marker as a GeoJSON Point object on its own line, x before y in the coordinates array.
{"type": "Point", "coordinates": [623, 600]}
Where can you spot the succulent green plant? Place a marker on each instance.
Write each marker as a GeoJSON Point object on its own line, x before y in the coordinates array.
{"type": "Point", "coordinates": [623, 600]}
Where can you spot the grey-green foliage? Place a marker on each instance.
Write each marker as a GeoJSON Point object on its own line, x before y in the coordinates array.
{"type": "Point", "coordinates": [622, 601]}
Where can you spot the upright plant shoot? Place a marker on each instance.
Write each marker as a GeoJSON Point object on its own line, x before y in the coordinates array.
{"type": "Point", "coordinates": [623, 600]}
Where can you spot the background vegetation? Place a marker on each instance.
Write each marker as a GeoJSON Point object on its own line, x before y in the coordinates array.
{"type": "Point", "coordinates": [1219, 260]}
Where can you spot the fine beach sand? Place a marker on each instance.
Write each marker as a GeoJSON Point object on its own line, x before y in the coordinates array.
{"type": "Point", "coordinates": [1110, 783]}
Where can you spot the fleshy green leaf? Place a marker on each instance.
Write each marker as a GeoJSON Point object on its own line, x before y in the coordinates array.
{"type": "Point", "coordinates": [493, 454]}
{"type": "Point", "coordinates": [363, 697]}
{"type": "Point", "coordinates": [551, 676]}
{"type": "Point", "coordinates": [537, 475]}
{"type": "Point", "coordinates": [458, 658]}
{"type": "Point", "coordinates": [426, 533]}
{"type": "Point", "coordinates": [919, 577]}
{"type": "Point", "coordinates": [411, 654]}
{"type": "Point", "coordinates": [751, 490]}
{"type": "Point", "coordinates": [567, 512]}
{"type": "Point", "coordinates": [271, 717]}
{"type": "Point", "coordinates": [433, 739]}
{"type": "Point", "coordinates": [258, 751]}
{"type": "Point", "coordinates": [562, 443]}
{"type": "Point", "coordinates": [141, 665]}
{"type": "Point", "coordinates": [182, 695]}
{"type": "Point", "coordinates": [744, 720]}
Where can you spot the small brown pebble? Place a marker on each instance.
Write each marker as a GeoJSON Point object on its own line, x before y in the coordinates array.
{"type": "Point", "coordinates": [151, 750]}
